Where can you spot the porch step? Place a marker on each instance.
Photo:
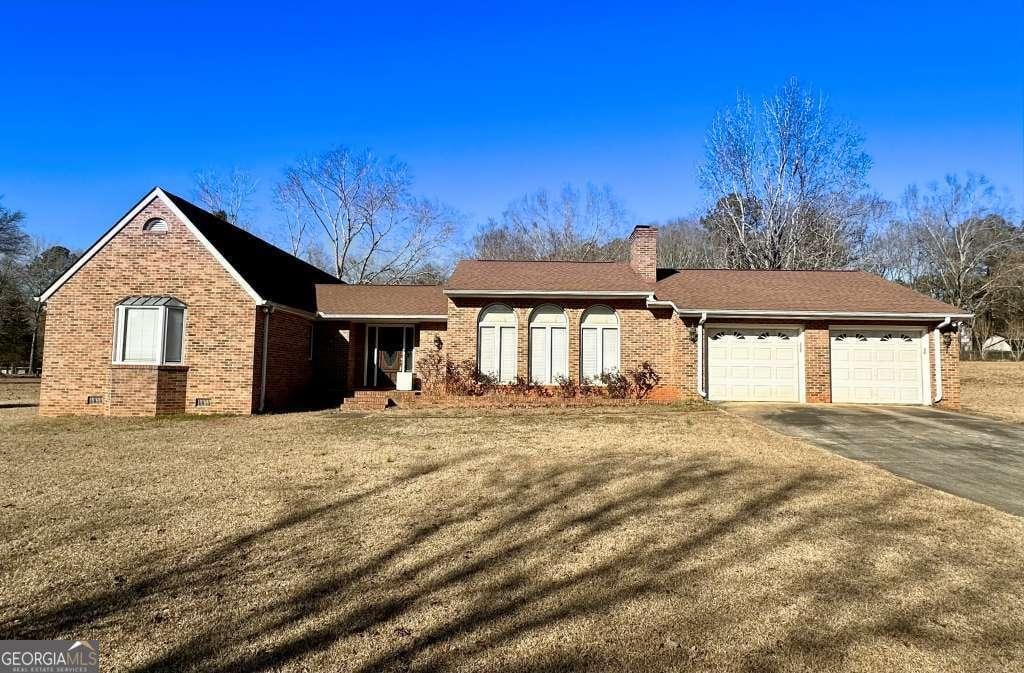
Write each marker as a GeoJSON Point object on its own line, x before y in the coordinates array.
{"type": "Point", "coordinates": [368, 400]}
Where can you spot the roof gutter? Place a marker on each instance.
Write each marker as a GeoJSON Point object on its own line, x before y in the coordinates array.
{"type": "Point", "coordinates": [700, 356]}
{"type": "Point", "coordinates": [756, 313]}
{"type": "Point", "coordinates": [267, 310]}
{"type": "Point", "coordinates": [547, 293]}
{"type": "Point", "coordinates": [383, 316]}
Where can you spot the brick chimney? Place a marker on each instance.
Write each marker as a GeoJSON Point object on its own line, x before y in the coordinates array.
{"type": "Point", "coordinates": [643, 252]}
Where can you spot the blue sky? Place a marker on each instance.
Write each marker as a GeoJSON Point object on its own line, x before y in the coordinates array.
{"type": "Point", "coordinates": [101, 101]}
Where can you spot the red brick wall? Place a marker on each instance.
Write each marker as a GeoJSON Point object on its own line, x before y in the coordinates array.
{"type": "Point", "coordinates": [290, 371]}
{"type": "Point", "coordinates": [950, 357]}
{"type": "Point", "coordinates": [643, 252]}
{"type": "Point", "coordinates": [645, 334]}
{"type": "Point", "coordinates": [147, 390]}
{"type": "Point", "coordinates": [817, 363]}
{"type": "Point", "coordinates": [220, 322]}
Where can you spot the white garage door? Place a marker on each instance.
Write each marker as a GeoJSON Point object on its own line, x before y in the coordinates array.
{"type": "Point", "coordinates": [754, 364]}
{"type": "Point", "coordinates": [877, 366]}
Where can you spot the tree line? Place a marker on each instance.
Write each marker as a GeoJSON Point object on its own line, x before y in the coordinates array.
{"type": "Point", "coordinates": [786, 185]}
{"type": "Point", "coordinates": [27, 267]}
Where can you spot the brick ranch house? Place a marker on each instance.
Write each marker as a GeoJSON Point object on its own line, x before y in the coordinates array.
{"type": "Point", "coordinates": [173, 310]}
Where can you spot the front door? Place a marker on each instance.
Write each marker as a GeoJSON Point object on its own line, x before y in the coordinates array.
{"type": "Point", "coordinates": [393, 346]}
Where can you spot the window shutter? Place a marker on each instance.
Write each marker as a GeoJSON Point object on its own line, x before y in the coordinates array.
{"type": "Point", "coordinates": [589, 356]}
{"type": "Point", "coordinates": [488, 351]}
{"type": "Point", "coordinates": [507, 366]}
{"type": "Point", "coordinates": [142, 335]}
{"type": "Point", "coordinates": [610, 350]}
{"type": "Point", "coordinates": [538, 355]}
{"type": "Point", "coordinates": [559, 349]}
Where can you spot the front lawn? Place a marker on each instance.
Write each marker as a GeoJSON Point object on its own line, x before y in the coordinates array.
{"type": "Point", "coordinates": [993, 389]}
{"type": "Point", "coordinates": [640, 539]}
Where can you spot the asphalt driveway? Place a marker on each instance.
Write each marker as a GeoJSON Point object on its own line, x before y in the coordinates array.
{"type": "Point", "coordinates": [971, 457]}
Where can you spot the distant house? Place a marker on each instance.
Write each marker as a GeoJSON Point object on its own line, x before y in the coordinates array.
{"type": "Point", "coordinates": [996, 344]}
{"type": "Point", "coordinates": [173, 310]}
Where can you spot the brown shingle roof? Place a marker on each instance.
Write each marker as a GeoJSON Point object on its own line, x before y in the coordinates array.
{"type": "Point", "coordinates": [275, 275]}
{"type": "Point", "coordinates": [381, 300]}
{"type": "Point", "coordinates": [596, 277]}
{"type": "Point", "coordinates": [838, 291]}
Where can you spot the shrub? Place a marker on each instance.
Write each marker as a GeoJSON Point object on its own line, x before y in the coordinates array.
{"type": "Point", "coordinates": [637, 382]}
{"type": "Point", "coordinates": [567, 387]}
{"type": "Point", "coordinates": [643, 380]}
{"type": "Point", "coordinates": [524, 387]}
{"type": "Point", "coordinates": [617, 384]}
{"type": "Point", "coordinates": [434, 367]}
{"type": "Point", "coordinates": [465, 379]}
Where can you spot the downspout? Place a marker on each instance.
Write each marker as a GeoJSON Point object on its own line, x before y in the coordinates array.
{"type": "Point", "coordinates": [938, 359]}
{"type": "Point", "coordinates": [267, 310]}
{"type": "Point", "coordinates": [700, 355]}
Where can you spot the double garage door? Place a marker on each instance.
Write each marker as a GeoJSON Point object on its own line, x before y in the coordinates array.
{"type": "Point", "coordinates": [871, 366]}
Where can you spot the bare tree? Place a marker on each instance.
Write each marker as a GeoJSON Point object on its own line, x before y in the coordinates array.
{"type": "Point", "coordinates": [685, 244]}
{"type": "Point", "coordinates": [578, 224]}
{"type": "Point", "coordinates": [966, 241]}
{"type": "Point", "coordinates": [377, 231]}
{"type": "Point", "coordinates": [227, 195]}
{"type": "Point", "coordinates": [295, 218]}
{"type": "Point", "coordinates": [1014, 335]}
{"type": "Point", "coordinates": [789, 183]}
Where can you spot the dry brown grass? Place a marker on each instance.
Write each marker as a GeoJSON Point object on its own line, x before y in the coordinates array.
{"type": "Point", "coordinates": [18, 392]}
{"type": "Point", "coordinates": [605, 539]}
{"type": "Point", "coordinates": [993, 389]}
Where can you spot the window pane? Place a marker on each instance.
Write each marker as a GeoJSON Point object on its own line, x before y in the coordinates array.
{"type": "Point", "coordinates": [141, 335]}
{"type": "Point", "coordinates": [610, 350]}
{"type": "Point", "coordinates": [487, 359]}
{"type": "Point", "coordinates": [559, 353]}
{"type": "Point", "coordinates": [175, 332]}
{"type": "Point", "coordinates": [507, 373]}
{"type": "Point", "coordinates": [539, 355]}
{"type": "Point", "coordinates": [589, 357]}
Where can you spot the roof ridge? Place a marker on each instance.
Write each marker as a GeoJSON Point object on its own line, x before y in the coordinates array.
{"type": "Point", "coordinates": [546, 261]}
{"type": "Point", "coordinates": [694, 268]}
{"type": "Point", "coordinates": [432, 285]}
{"type": "Point", "coordinates": [243, 231]}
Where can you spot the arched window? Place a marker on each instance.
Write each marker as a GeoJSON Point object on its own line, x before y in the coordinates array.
{"type": "Point", "coordinates": [549, 344]}
{"type": "Point", "coordinates": [496, 343]}
{"type": "Point", "coordinates": [599, 343]}
{"type": "Point", "coordinates": [155, 225]}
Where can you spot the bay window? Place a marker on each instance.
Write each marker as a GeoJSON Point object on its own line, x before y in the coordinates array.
{"type": "Point", "coordinates": [149, 330]}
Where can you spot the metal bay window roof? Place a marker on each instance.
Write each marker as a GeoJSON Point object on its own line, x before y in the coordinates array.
{"type": "Point", "coordinates": [170, 302]}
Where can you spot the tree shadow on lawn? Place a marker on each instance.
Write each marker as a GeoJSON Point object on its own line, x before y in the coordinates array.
{"type": "Point", "coordinates": [652, 563]}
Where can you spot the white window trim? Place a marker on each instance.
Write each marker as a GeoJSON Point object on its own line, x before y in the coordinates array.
{"type": "Point", "coordinates": [498, 342]}
{"type": "Point", "coordinates": [550, 348]}
{"type": "Point", "coordinates": [119, 326]}
{"type": "Point", "coordinates": [801, 358]}
{"type": "Point", "coordinates": [600, 343]}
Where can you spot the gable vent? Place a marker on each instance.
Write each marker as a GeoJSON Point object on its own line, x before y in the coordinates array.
{"type": "Point", "coordinates": [155, 225]}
